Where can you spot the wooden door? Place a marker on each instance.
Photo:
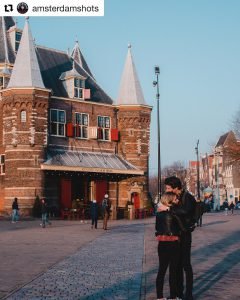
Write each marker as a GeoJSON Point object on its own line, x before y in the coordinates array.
{"type": "Point", "coordinates": [136, 200]}
{"type": "Point", "coordinates": [66, 193]}
{"type": "Point", "coordinates": [101, 190]}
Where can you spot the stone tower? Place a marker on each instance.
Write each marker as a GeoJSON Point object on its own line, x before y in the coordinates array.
{"type": "Point", "coordinates": [24, 126]}
{"type": "Point", "coordinates": [134, 117]}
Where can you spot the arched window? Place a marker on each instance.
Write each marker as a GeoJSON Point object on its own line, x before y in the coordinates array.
{"type": "Point", "coordinates": [23, 116]}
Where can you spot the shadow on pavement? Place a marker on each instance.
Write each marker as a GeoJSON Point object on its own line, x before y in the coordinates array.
{"type": "Point", "coordinates": [217, 247]}
{"type": "Point", "coordinates": [206, 281]}
{"type": "Point", "coordinates": [214, 223]}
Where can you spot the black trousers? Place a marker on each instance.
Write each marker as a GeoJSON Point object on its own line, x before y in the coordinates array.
{"type": "Point", "coordinates": [94, 221]}
{"type": "Point", "coordinates": [168, 254]}
{"type": "Point", "coordinates": [185, 265]}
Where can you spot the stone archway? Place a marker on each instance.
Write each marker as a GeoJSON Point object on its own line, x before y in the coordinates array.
{"type": "Point", "coordinates": [135, 194]}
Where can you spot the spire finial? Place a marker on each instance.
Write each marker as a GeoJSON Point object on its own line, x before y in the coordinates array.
{"type": "Point", "coordinates": [76, 39]}
{"type": "Point", "coordinates": [27, 18]}
{"type": "Point", "coordinates": [129, 46]}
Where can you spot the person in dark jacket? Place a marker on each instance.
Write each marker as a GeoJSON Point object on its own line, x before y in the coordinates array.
{"type": "Point", "coordinates": [168, 231]}
{"type": "Point", "coordinates": [44, 210]}
{"type": "Point", "coordinates": [231, 207]}
{"type": "Point", "coordinates": [94, 213]}
{"type": "Point", "coordinates": [186, 211]}
{"type": "Point", "coordinates": [15, 210]}
{"type": "Point", "coordinates": [200, 207]}
{"type": "Point", "coordinates": [226, 207]}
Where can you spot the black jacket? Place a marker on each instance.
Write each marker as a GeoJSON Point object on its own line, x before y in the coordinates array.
{"type": "Point", "coordinates": [186, 209]}
{"type": "Point", "coordinates": [15, 205]}
{"type": "Point", "coordinates": [44, 208]}
{"type": "Point", "coordinates": [168, 224]}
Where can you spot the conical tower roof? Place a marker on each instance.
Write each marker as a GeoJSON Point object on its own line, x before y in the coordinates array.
{"type": "Point", "coordinates": [130, 91]}
{"type": "Point", "coordinates": [26, 71]}
{"type": "Point", "coordinates": [7, 53]}
{"type": "Point", "coordinates": [78, 57]}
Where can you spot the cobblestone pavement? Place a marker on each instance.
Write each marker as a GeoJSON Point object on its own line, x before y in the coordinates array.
{"type": "Point", "coordinates": [215, 259]}
{"type": "Point", "coordinates": [71, 261]}
{"type": "Point", "coordinates": [109, 267]}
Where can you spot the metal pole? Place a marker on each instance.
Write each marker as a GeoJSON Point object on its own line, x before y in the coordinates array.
{"type": "Point", "coordinates": [218, 191]}
{"type": "Point", "coordinates": [198, 177]}
{"type": "Point", "coordinates": [156, 83]}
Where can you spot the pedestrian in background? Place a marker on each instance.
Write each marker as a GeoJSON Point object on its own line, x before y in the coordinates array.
{"type": "Point", "coordinates": [15, 210]}
{"type": "Point", "coordinates": [94, 213]}
{"type": "Point", "coordinates": [168, 231]}
{"type": "Point", "coordinates": [231, 207]}
{"type": "Point", "coordinates": [45, 217]}
{"type": "Point", "coordinates": [106, 205]}
{"type": "Point", "coordinates": [225, 206]}
{"type": "Point", "coordinates": [199, 211]}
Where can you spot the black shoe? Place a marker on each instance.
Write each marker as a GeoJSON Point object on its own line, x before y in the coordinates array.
{"type": "Point", "coordinates": [188, 297]}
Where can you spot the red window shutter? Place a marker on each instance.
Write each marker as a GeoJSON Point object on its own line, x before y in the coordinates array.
{"type": "Point", "coordinates": [114, 135]}
{"type": "Point", "coordinates": [70, 130]}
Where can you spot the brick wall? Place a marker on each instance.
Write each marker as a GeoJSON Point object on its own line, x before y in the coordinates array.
{"type": "Point", "coordinates": [24, 142]}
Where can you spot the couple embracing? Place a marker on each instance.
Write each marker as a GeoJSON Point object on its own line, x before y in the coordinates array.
{"type": "Point", "coordinates": [174, 226]}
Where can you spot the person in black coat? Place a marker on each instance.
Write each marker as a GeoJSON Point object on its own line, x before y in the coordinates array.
{"type": "Point", "coordinates": [185, 210]}
{"type": "Point", "coordinates": [231, 207]}
{"type": "Point", "coordinates": [15, 209]}
{"type": "Point", "coordinates": [94, 213]}
{"type": "Point", "coordinates": [200, 208]}
{"type": "Point", "coordinates": [168, 230]}
{"type": "Point", "coordinates": [44, 210]}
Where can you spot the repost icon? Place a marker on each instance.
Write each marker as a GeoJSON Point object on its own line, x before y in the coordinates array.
{"type": "Point", "coordinates": [8, 8]}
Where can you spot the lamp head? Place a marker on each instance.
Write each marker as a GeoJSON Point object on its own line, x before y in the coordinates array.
{"type": "Point", "coordinates": [157, 70]}
{"type": "Point", "coordinates": [154, 83]}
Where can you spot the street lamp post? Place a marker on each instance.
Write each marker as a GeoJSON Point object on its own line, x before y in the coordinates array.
{"type": "Point", "coordinates": [217, 201]}
{"type": "Point", "coordinates": [156, 83]}
{"type": "Point", "coordinates": [198, 179]}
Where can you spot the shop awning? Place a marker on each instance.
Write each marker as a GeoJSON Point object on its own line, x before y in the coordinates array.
{"type": "Point", "coordinates": [73, 161]}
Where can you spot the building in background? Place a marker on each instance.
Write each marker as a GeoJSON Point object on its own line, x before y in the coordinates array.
{"type": "Point", "coordinates": [61, 135]}
{"type": "Point", "coordinates": [219, 171]}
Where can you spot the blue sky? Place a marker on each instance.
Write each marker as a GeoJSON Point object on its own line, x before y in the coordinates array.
{"type": "Point", "coordinates": [195, 43]}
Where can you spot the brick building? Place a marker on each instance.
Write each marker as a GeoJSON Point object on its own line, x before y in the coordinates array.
{"type": "Point", "coordinates": [61, 135]}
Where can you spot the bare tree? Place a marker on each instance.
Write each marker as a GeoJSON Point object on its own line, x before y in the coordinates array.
{"type": "Point", "coordinates": [153, 182]}
{"type": "Point", "coordinates": [232, 149]}
{"type": "Point", "coordinates": [175, 169]}
{"type": "Point", "coordinates": [236, 124]}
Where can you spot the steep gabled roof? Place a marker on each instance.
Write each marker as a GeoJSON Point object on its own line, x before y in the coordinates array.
{"type": "Point", "coordinates": [223, 138]}
{"type": "Point", "coordinates": [53, 63]}
{"type": "Point", "coordinates": [26, 71]}
{"type": "Point", "coordinates": [7, 53]}
{"type": "Point", "coordinates": [79, 58]}
{"type": "Point", "coordinates": [130, 91]}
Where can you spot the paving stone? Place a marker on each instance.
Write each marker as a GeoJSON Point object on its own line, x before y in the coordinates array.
{"type": "Point", "coordinates": [215, 259]}
{"type": "Point", "coordinates": [70, 262]}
